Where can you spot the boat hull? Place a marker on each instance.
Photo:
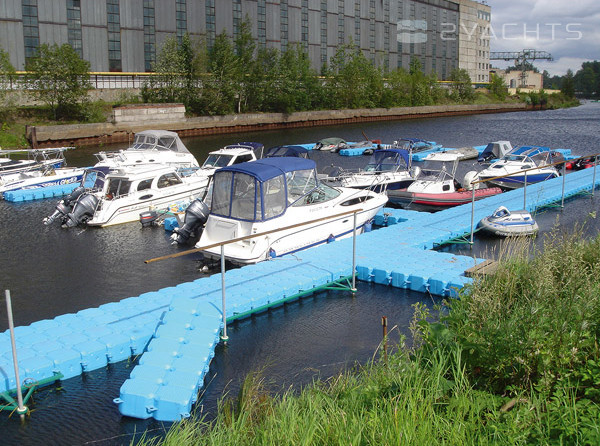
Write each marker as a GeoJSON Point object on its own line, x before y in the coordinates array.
{"type": "Point", "coordinates": [288, 241]}
{"type": "Point", "coordinates": [30, 180]}
{"type": "Point", "coordinates": [518, 181]}
{"type": "Point", "coordinates": [507, 229]}
{"type": "Point", "coordinates": [441, 199]}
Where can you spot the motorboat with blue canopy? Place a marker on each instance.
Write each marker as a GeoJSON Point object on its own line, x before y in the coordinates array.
{"type": "Point", "coordinates": [387, 169]}
{"type": "Point", "coordinates": [297, 151]}
{"type": "Point", "coordinates": [273, 193]}
{"type": "Point", "coordinates": [526, 164]}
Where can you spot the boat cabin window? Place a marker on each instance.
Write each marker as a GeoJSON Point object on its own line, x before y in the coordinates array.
{"type": "Point", "coordinates": [145, 184]}
{"type": "Point", "coordinates": [168, 179]}
{"type": "Point", "coordinates": [320, 194]}
{"type": "Point", "coordinates": [274, 197]}
{"type": "Point", "coordinates": [144, 142]}
{"type": "Point", "coordinates": [243, 200]}
{"type": "Point", "coordinates": [216, 160]}
{"type": "Point", "coordinates": [243, 159]}
{"type": "Point", "coordinates": [117, 187]}
{"type": "Point", "coordinates": [165, 142]}
{"type": "Point", "coordinates": [93, 180]}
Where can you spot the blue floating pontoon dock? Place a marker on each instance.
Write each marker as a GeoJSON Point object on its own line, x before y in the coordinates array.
{"type": "Point", "coordinates": [174, 330]}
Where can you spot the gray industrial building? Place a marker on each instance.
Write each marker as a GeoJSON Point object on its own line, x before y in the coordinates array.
{"type": "Point", "coordinates": [125, 35]}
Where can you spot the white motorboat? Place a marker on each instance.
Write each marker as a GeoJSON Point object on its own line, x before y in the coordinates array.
{"type": "Point", "coordinates": [37, 159]}
{"type": "Point", "coordinates": [387, 169]}
{"type": "Point", "coordinates": [438, 187]}
{"type": "Point", "coordinates": [240, 152]}
{"type": "Point", "coordinates": [272, 193]}
{"type": "Point", "coordinates": [509, 223]}
{"type": "Point", "coordinates": [112, 196]}
{"type": "Point", "coordinates": [513, 169]}
{"type": "Point", "coordinates": [35, 179]}
{"type": "Point", "coordinates": [150, 147]}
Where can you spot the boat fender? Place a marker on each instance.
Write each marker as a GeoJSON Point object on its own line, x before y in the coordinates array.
{"type": "Point", "coordinates": [471, 176]}
{"type": "Point", "coordinates": [331, 238]}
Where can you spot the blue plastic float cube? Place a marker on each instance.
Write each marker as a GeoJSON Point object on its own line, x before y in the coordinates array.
{"type": "Point", "coordinates": [172, 403]}
{"type": "Point", "coordinates": [136, 398]}
{"type": "Point", "coordinates": [66, 361]}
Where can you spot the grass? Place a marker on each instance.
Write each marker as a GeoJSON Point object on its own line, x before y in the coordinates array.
{"type": "Point", "coordinates": [514, 361]}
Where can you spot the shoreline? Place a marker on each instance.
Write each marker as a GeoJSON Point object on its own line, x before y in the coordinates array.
{"type": "Point", "coordinates": [109, 132]}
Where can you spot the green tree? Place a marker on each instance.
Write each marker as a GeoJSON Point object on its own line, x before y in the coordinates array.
{"type": "Point", "coordinates": [420, 84]}
{"type": "Point", "coordinates": [59, 78]}
{"type": "Point", "coordinates": [462, 90]}
{"type": "Point", "coordinates": [7, 75]}
{"type": "Point", "coordinates": [353, 81]}
{"type": "Point", "coordinates": [245, 49]}
{"type": "Point", "coordinates": [222, 88]}
{"type": "Point", "coordinates": [568, 85]}
{"type": "Point", "coordinates": [498, 87]}
{"type": "Point", "coordinates": [398, 92]}
{"type": "Point", "coordinates": [299, 86]}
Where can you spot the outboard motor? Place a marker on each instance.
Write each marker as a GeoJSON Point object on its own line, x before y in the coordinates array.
{"type": "Point", "coordinates": [148, 218]}
{"type": "Point", "coordinates": [83, 210]}
{"type": "Point", "coordinates": [65, 205]}
{"type": "Point", "coordinates": [469, 178]}
{"type": "Point", "coordinates": [196, 216]}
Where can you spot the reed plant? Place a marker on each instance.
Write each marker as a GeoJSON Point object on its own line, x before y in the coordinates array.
{"type": "Point", "coordinates": [513, 360]}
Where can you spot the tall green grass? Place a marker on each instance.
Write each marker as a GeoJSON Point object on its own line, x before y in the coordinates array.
{"type": "Point", "coordinates": [513, 361]}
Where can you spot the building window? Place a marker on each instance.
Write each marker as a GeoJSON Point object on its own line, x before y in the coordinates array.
{"type": "Point", "coordinates": [262, 23]}
{"type": "Point", "coordinates": [341, 20]}
{"type": "Point", "coordinates": [323, 31]}
{"type": "Point", "coordinates": [237, 17]}
{"type": "Point", "coordinates": [149, 35]}
{"type": "Point", "coordinates": [74, 25]}
{"type": "Point", "coordinates": [372, 28]}
{"type": "Point", "coordinates": [181, 19]}
{"type": "Point", "coordinates": [357, 23]}
{"type": "Point", "coordinates": [304, 19]}
{"type": "Point", "coordinates": [113, 19]}
{"type": "Point", "coordinates": [31, 33]}
{"type": "Point", "coordinates": [211, 28]}
{"type": "Point", "coordinates": [283, 15]}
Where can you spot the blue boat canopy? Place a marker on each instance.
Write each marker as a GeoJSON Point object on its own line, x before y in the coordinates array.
{"type": "Point", "coordinates": [383, 156]}
{"type": "Point", "coordinates": [268, 168]}
{"type": "Point", "coordinates": [262, 189]}
{"type": "Point", "coordinates": [295, 151]}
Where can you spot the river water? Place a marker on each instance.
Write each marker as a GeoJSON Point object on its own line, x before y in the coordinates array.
{"type": "Point", "coordinates": [51, 271]}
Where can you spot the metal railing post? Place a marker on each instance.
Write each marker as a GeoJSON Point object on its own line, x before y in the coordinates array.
{"type": "Point", "coordinates": [472, 213]}
{"type": "Point", "coordinates": [525, 193]}
{"type": "Point", "coordinates": [594, 176]}
{"type": "Point", "coordinates": [354, 255]}
{"type": "Point", "coordinates": [224, 337]}
{"type": "Point", "coordinates": [564, 174]}
{"type": "Point", "coordinates": [21, 409]}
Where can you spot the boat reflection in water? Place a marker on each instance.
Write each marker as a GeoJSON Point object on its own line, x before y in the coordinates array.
{"type": "Point", "coordinates": [272, 193]}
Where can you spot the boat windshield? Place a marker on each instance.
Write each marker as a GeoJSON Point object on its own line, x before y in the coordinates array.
{"type": "Point", "coordinates": [93, 179]}
{"type": "Point", "coordinates": [217, 160]}
{"type": "Point", "coordinates": [517, 158]}
{"type": "Point", "coordinates": [383, 162]}
{"type": "Point", "coordinates": [437, 170]}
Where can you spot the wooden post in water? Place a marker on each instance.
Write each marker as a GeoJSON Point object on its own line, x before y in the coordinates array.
{"type": "Point", "coordinates": [384, 326]}
{"type": "Point", "coordinates": [21, 409]}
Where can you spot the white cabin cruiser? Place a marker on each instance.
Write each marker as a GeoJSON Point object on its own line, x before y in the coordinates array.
{"type": "Point", "coordinates": [150, 147]}
{"type": "Point", "coordinates": [513, 168]}
{"type": "Point", "coordinates": [505, 223]}
{"type": "Point", "coordinates": [388, 169]}
{"type": "Point", "coordinates": [112, 196]}
{"type": "Point", "coordinates": [273, 193]}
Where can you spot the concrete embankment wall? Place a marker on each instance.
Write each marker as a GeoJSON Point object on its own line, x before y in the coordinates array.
{"type": "Point", "coordinates": [112, 132]}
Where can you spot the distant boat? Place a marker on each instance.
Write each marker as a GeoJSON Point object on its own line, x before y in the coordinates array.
{"type": "Point", "coordinates": [387, 169]}
{"type": "Point", "coordinates": [506, 223]}
{"type": "Point", "coordinates": [37, 159]}
{"type": "Point", "coordinates": [437, 186]}
{"type": "Point", "coordinates": [330, 144]}
{"type": "Point", "coordinates": [513, 167]}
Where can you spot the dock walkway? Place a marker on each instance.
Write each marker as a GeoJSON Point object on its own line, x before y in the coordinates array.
{"type": "Point", "coordinates": [176, 329]}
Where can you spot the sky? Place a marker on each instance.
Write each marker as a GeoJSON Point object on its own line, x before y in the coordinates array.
{"type": "Point", "coordinates": [567, 29]}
